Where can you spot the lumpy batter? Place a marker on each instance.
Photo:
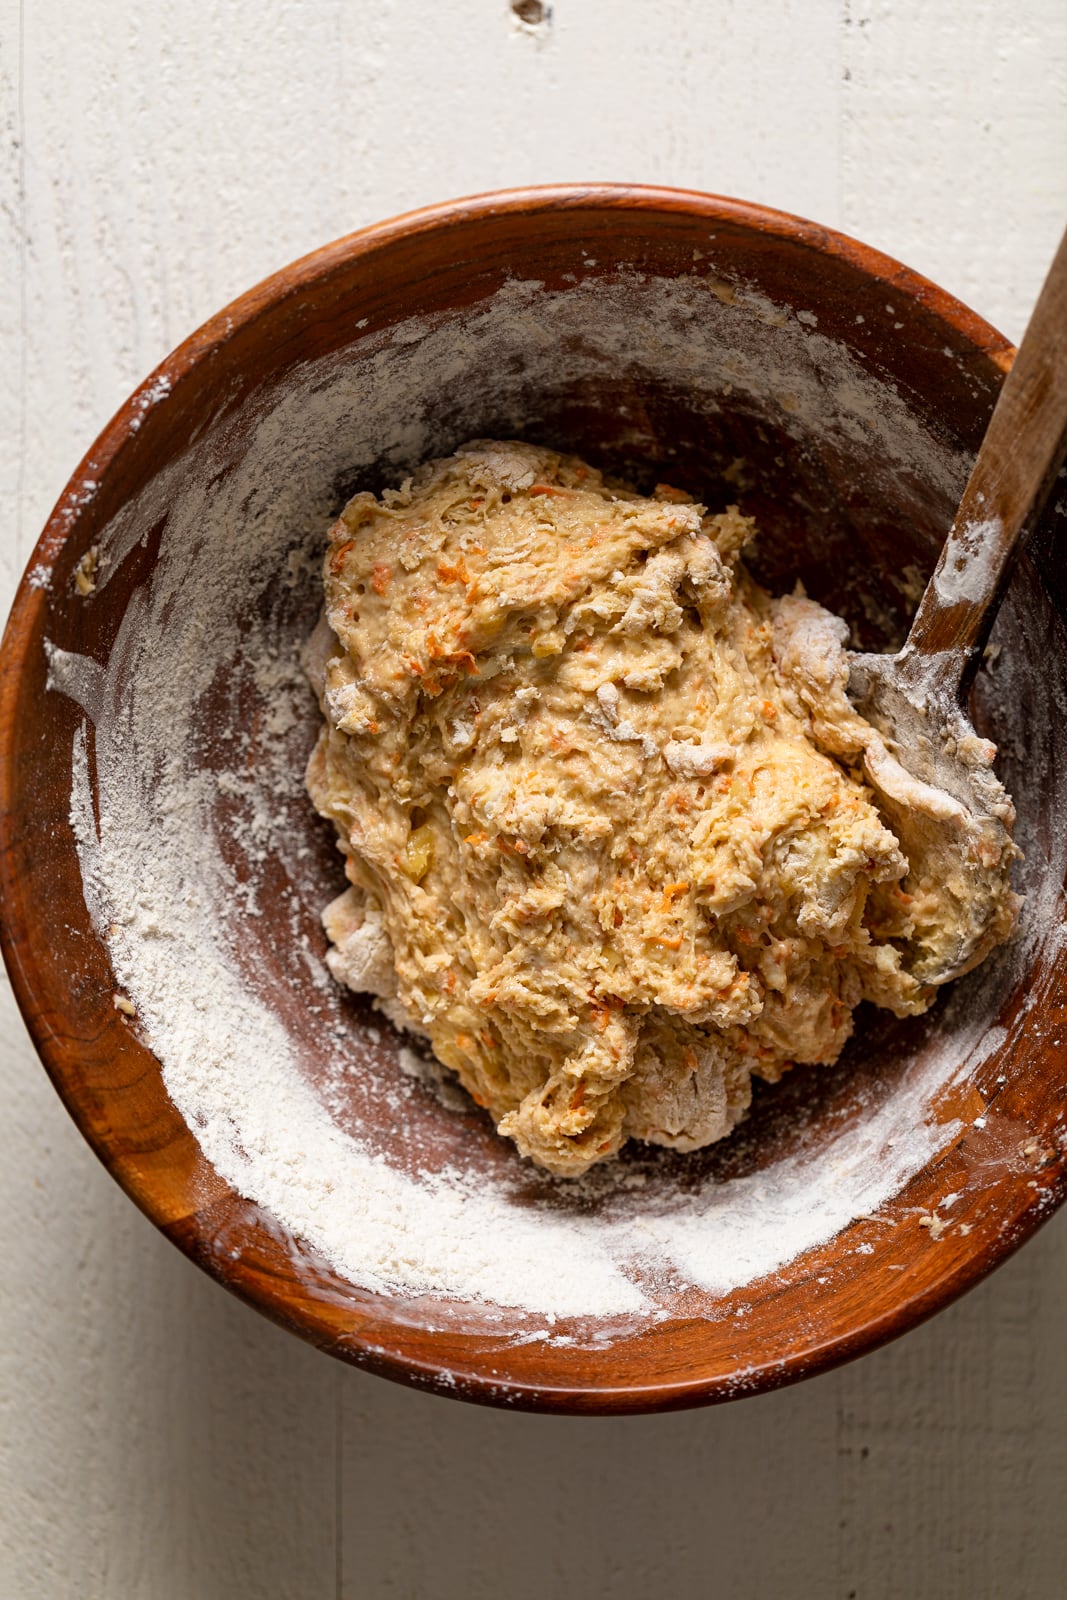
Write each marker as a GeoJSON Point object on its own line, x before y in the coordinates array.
{"type": "Point", "coordinates": [606, 836]}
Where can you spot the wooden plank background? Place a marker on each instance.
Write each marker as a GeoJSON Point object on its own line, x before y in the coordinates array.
{"type": "Point", "coordinates": [158, 1441]}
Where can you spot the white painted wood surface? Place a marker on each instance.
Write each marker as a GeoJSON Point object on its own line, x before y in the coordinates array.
{"type": "Point", "coordinates": [157, 1440]}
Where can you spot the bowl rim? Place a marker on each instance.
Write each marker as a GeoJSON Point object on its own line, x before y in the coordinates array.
{"type": "Point", "coordinates": [15, 932]}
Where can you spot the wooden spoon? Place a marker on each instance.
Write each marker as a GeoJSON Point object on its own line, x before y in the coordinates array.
{"type": "Point", "coordinates": [936, 782]}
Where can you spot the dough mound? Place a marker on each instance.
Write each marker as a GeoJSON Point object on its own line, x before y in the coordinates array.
{"type": "Point", "coordinates": [606, 837]}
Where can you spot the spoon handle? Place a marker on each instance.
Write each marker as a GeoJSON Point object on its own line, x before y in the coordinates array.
{"type": "Point", "coordinates": [1016, 466]}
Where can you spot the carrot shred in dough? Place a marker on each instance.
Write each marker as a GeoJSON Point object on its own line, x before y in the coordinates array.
{"type": "Point", "coordinates": [599, 850]}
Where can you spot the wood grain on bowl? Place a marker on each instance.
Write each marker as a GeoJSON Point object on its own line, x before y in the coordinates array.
{"type": "Point", "coordinates": [858, 527]}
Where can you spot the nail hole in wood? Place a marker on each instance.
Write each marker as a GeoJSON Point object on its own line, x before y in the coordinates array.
{"type": "Point", "coordinates": [532, 12]}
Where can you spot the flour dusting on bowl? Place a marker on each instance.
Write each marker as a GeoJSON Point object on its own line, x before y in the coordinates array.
{"type": "Point", "coordinates": [196, 732]}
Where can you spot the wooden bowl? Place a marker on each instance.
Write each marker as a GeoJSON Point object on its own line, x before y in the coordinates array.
{"type": "Point", "coordinates": [743, 354]}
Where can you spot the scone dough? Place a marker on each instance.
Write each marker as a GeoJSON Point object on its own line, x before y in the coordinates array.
{"type": "Point", "coordinates": [607, 838]}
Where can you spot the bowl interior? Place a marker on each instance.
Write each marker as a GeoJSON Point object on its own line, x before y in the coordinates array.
{"type": "Point", "coordinates": [158, 727]}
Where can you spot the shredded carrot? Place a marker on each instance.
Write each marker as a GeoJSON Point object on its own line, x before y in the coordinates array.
{"type": "Point", "coordinates": [668, 944]}
{"type": "Point", "coordinates": [337, 560]}
{"type": "Point", "coordinates": [550, 489]}
{"type": "Point", "coordinates": [671, 891]}
{"type": "Point", "coordinates": [769, 711]}
{"type": "Point", "coordinates": [450, 658]}
{"type": "Point", "coordinates": [689, 1057]}
{"type": "Point", "coordinates": [518, 848]}
{"type": "Point", "coordinates": [601, 1016]}
{"type": "Point", "coordinates": [381, 577]}
{"type": "Point", "coordinates": [578, 1096]}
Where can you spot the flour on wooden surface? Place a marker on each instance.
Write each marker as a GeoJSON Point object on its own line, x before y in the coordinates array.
{"type": "Point", "coordinates": [176, 874]}
{"type": "Point", "coordinates": [966, 575]}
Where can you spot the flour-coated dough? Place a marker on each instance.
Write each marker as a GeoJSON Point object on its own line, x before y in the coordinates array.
{"type": "Point", "coordinates": [601, 804]}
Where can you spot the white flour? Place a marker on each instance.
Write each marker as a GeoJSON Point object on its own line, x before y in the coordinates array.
{"type": "Point", "coordinates": [967, 576]}
{"type": "Point", "coordinates": [200, 726]}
